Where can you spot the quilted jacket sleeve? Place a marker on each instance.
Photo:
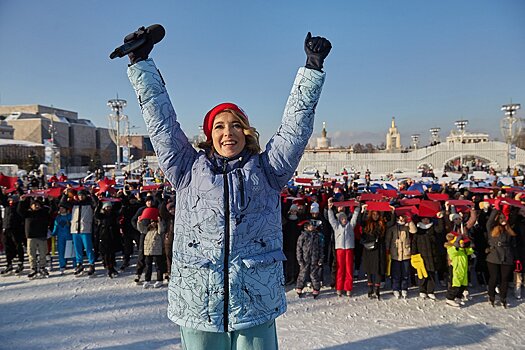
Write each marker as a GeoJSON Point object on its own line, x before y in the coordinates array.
{"type": "Point", "coordinates": [174, 151]}
{"type": "Point", "coordinates": [285, 149]}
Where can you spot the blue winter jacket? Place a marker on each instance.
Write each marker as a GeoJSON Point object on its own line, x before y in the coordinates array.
{"type": "Point", "coordinates": [62, 227]}
{"type": "Point", "coordinates": [227, 270]}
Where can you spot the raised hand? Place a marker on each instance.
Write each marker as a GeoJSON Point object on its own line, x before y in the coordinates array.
{"type": "Point", "coordinates": [316, 48]}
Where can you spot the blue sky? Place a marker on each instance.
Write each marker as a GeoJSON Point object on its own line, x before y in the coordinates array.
{"type": "Point", "coordinates": [428, 63]}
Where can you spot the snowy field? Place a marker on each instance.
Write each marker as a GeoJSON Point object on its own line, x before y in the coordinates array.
{"type": "Point", "coordinates": [67, 312]}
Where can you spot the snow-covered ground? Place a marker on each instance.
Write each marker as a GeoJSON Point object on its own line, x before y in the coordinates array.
{"type": "Point", "coordinates": [66, 312]}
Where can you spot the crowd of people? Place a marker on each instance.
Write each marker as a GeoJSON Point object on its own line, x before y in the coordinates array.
{"type": "Point", "coordinates": [425, 234]}
{"type": "Point", "coordinates": [439, 235]}
{"type": "Point", "coordinates": [85, 223]}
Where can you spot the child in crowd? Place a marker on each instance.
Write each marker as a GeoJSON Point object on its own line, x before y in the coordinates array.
{"type": "Point", "coordinates": [344, 247]}
{"type": "Point", "coordinates": [148, 224]}
{"type": "Point", "coordinates": [458, 250]}
{"type": "Point", "coordinates": [62, 231]}
{"type": "Point", "coordinates": [310, 256]}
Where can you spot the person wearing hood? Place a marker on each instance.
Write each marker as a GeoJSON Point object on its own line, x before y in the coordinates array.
{"type": "Point", "coordinates": [227, 282]}
{"type": "Point", "coordinates": [344, 239]}
{"type": "Point", "coordinates": [310, 257]}
{"type": "Point", "coordinates": [425, 243]}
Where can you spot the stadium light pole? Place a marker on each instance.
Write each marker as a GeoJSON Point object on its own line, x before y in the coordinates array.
{"type": "Point", "coordinates": [415, 140]}
{"type": "Point", "coordinates": [461, 125]}
{"type": "Point", "coordinates": [117, 105]}
{"type": "Point", "coordinates": [434, 133]}
{"type": "Point", "coordinates": [510, 127]}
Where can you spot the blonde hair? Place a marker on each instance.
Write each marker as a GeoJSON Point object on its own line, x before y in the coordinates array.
{"type": "Point", "coordinates": [251, 134]}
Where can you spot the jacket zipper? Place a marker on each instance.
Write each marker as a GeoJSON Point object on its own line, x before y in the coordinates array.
{"type": "Point", "coordinates": [226, 245]}
{"type": "Point", "coordinates": [241, 186]}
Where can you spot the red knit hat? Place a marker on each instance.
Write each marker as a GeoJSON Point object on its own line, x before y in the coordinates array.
{"type": "Point", "coordinates": [150, 213]}
{"type": "Point", "coordinates": [210, 116]}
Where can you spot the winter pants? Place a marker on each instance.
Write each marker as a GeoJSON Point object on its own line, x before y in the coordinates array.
{"type": "Point", "coordinates": [311, 270]}
{"type": "Point", "coordinates": [345, 269]}
{"type": "Point", "coordinates": [61, 247]}
{"type": "Point", "coordinates": [399, 271]}
{"type": "Point", "coordinates": [109, 260]}
{"type": "Point", "coordinates": [262, 337]}
{"type": "Point", "coordinates": [374, 279]}
{"type": "Point", "coordinates": [159, 265]}
{"type": "Point", "coordinates": [140, 259]}
{"type": "Point", "coordinates": [502, 273]}
{"type": "Point", "coordinates": [127, 245]}
{"type": "Point", "coordinates": [427, 285]}
{"type": "Point", "coordinates": [81, 241]}
{"type": "Point", "coordinates": [453, 292]}
{"type": "Point", "coordinates": [14, 246]}
{"type": "Point", "coordinates": [37, 246]}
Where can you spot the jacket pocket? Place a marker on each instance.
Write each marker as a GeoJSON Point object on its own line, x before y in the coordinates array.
{"type": "Point", "coordinates": [263, 259]}
{"type": "Point", "coordinates": [262, 286]}
{"type": "Point", "coordinates": [190, 287]}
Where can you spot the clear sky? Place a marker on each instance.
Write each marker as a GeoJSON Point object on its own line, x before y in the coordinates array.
{"type": "Point", "coordinates": [428, 63]}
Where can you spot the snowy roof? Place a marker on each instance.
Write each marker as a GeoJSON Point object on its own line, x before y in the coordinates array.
{"type": "Point", "coordinates": [23, 143]}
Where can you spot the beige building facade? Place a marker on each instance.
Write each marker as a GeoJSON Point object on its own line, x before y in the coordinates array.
{"type": "Point", "coordinates": [77, 141]}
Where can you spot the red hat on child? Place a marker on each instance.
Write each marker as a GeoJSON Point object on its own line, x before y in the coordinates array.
{"type": "Point", "coordinates": [210, 116]}
{"type": "Point", "coordinates": [150, 213]}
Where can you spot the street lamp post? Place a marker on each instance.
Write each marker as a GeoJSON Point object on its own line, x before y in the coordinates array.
{"type": "Point", "coordinates": [434, 133]}
{"type": "Point", "coordinates": [461, 125]}
{"type": "Point", "coordinates": [117, 105]}
{"type": "Point", "coordinates": [510, 127]}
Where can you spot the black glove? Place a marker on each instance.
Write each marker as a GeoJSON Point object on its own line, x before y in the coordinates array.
{"type": "Point", "coordinates": [316, 48]}
{"type": "Point", "coordinates": [141, 53]}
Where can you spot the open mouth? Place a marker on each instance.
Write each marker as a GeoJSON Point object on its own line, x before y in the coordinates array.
{"type": "Point", "coordinates": [229, 143]}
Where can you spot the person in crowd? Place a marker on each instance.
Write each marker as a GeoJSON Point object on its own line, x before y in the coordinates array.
{"type": "Point", "coordinates": [149, 202]}
{"type": "Point", "coordinates": [501, 254]}
{"type": "Point", "coordinates": [167, 215]}
{"type": "Point", "coordinates": [109, 237]}
{"type": "Point", "coordinates": [14, 237]}
{"type": "Point", "coordinates": [228, 217]}
{"type": "Point", "coordinates": [310, 257]}
{"type": "Point", "coordinates": [458, 249]}
{"type": "Point", "coordinates": [130, 237]}
{"type": "Point", "coordinates": [344, 238]}
{"type": "Point", "coordinates": [36, 223]}
{"type": "Point", "coordinates": [424, 243]}
{"type": "Point", "coordinates": [62, 231]}
{"type": "Point", "coordinates": [519, 274]}
{"type": "Point", "coordinates": [82, 219]}
{"type": "Point", "coordinates": [374, 253]}
{"type": "Point", "coordinates": [398, 240]}
{"type": "Point", "coordinates": [148, 224]}
{"type": "Point", "coordinates": [291, 232]}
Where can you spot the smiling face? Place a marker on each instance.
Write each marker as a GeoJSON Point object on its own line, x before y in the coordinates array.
{"type": "Point", "coordinates": [227, 135]}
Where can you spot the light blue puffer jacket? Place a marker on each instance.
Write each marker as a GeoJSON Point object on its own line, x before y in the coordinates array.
{"type": "Point", "coordinates": [227, 251]}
